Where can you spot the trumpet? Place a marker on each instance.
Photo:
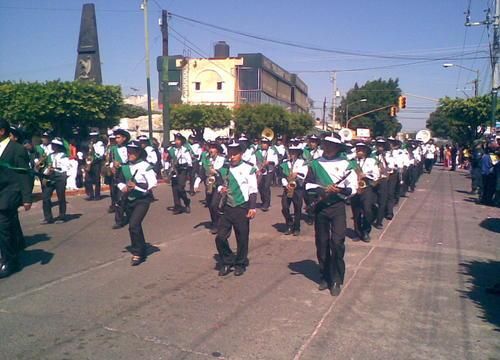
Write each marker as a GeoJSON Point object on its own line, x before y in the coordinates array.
{"type": "Point", "coordinates": [210, 184]}
{"type": "Point", "coordinates": [290, 190]}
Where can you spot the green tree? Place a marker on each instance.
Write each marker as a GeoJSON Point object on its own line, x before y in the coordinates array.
{"type": "Point", "coordinates": [299, 124]}
{"type": "Point", "coordinates": [61, 106]}
{"type": "Point", "coordinates": [198, 117]}
{"type": "Point", "coordinates": [439, 124]}
{"type": "Point", "coordinates": [378, 93]}
{"type": "Point", "coordinates": [252, 119]}
{"type": "Point", "coordinates": [461, 120]}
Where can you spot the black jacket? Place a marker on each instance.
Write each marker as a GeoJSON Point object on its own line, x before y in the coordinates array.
{"type": "Point", "coordinates": [16, 181]}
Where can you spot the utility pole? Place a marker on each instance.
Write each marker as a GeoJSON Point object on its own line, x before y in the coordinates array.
{"type": "Point", "coordinates": [148, 70]}
{"type": "Point", "coordinates": [494, 64]}
{"type": "Point", "coordinates": [324, 114]}
{"type": "Point", "coordinates": [495, 53]}
{"type": "Point", "coordinates": [164, 80]}
{"type": "Point", "coordinates": [334, 99]}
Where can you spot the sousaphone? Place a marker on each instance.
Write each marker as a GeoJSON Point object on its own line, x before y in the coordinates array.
{"type": "Point", "coordinates": [267, 133]}
{"type": "Point", "coordinates": [424, 136]}
{"type": "Point", "coordinates": [346, 134]}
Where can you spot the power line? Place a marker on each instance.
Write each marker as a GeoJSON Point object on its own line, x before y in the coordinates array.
{"type": "Point", "coordinates": [311, 47]}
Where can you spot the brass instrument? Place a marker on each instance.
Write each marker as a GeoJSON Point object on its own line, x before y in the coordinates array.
{"type": "Point", "coordinates": [90, 157]}
{"type": "Point", "coordinates": [107, 169]}
{"type": "Point", "coordinates": [210, 181]}
{"type": "Point", "coordinates": [362, 179]}
{"type": "Point", "coordinates": [267, 133]}
{"type": "Point", "coordinates": [290, 190]}
{"type": "Point", "coordinates": [42, 162]}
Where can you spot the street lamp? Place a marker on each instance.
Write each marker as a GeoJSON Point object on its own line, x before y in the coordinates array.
{"type": "Point", "coordinates": [347, 108]}
{"type": "Point", "coordinates": [475, 82]}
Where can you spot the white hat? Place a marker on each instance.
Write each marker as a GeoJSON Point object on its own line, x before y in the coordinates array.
{"type": "Point", "coordinates": [242, 138]}
{"type": "Point", "coordinates": [333, 140]}
{"type": "Point", "coordinates": [93, 133]}
{"type": "Point", "coordinates": [295, 147]}
{"type": "Point", "coordinates": [57, 141]}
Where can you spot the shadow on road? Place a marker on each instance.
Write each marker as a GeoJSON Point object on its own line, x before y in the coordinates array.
{"type": "Point", "coordinates": [308, 268]}
{"type": "Point", "coordinates": [491, 224]}
{"type": "Point", "coordinates": [484, 277]}
{"type": "Point", "coordinates": [35, 239]}
{"type": "Point", "coordinates": [280, 227]}
{"type": "Point", "coordinates": [35, 256]}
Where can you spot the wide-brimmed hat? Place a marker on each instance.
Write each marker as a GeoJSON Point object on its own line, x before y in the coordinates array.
{"type": "Point", "coordinates": [215, 144]}
{"type": "Point", "coordinates": [136, 145]}
{"type": "Point", "coordinates": [234, 146]}
{"type": "Point", "coordinates": [180, 137]}
{"type": "Point", "coordinates": [57, 141]}
{"type": "Point", "coordinates": [265, 140]}
{"type": "Point", "coordinates": [93, 133]}
{"type": "Point", "coordinates": [122, 132]}
{"type": "Point", "coordinates": [314, 138]}
{"type": "Point", "coordinates": [295, 147]}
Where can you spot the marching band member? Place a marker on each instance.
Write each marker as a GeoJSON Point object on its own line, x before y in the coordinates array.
{"type": "Point", "coordinates": [312, 150]}
{"type": "Point", "coordinates": [94, 161]}
{"type": "Point", "coordinates": [181, 159]}
{"type": "Point", "coordinates": [212, 165]}
{"type": "Point", "coordinates": [239, 190]}
{"type": "Point", "coordinates": [136, 180]}
{"type": "Point", "coordinates": [333, 180]}
{"type": "Point", "coordinates": [196, 151]}
{"type": "Point", "coordinates": [281, 150]}
{"type": "Point", "coordinates": [151, 155]}
{"type": "Point", "coordinates": [118, 157]}
{"type": "Point", "coordinates": [293, 170]}
{"type": "Point", "coordinates": [16, 186]}
{"type": "Point", "coordinates": [54, 178]}
{"type": "Point", "coordinates": [362, 203]}
{"type": "Point", "coordinates": [430, 151]}
{"type": "Point", "coordinates": [382, 187]}
{"type": "Point", "coordinates": [267, 159]}
{"type": "Point", "coordinates": [248, 150]}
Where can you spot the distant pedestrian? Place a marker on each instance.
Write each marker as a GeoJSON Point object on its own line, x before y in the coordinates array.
{"type": "Point", "coordinates": [488, 161]}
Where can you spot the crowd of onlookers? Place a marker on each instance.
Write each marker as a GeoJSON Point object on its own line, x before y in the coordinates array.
{"type": "Point", "coordinates": [482, 160]}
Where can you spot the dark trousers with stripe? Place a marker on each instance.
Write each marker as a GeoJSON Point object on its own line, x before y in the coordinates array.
{"type": "Point", "coordinates": [179, 188]}
{"type": "Point", "coordinates": [93, 181]}
{"type": "Point", "coordinates": [265, 189]}
{"type": "Point", "coordinates": [213, 200]}
{"type": "Point", "coordinates": [11, 235]}
{"type": "Point", "coordinates": [392, 193]}
{"type": "Point", "coordinates": [381, 191]}
{"type": "Point", "coordinates": [362, 210]}
{"type": "Point", "coordinates": [233, 218]}
{"type": "Point", "coordinates": [296, 201]}
{"type": "Point", "coordinates": [59, 186]}
{"type": "Point", "coordinates": [136, 211]}
{"type": "Point", "coordinates": [330, 229]}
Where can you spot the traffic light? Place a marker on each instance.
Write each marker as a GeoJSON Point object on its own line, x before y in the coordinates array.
{"type": "Point", "coordinates": [393, 111]}
{"type": "Point", "coordinates": [402, 102]}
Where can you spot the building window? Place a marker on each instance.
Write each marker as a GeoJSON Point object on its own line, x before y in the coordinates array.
{"type": "Point", "coordinates": [197, 85]}
{"type": "Point", "coordinates": [219, 85]}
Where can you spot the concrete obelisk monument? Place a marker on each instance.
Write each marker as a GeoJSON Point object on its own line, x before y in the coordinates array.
{"type": "Point", "coordinates": [88, 63]}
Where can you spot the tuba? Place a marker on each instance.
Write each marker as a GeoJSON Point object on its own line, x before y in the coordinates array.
{"type": "Point", "coordinates": [267, 133]}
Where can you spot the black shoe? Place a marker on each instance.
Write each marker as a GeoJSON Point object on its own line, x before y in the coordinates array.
{"type": "Point", "coordinates": [5, 270]}
{"type": "Point", "coordinates": [177, 211]}
{"type": "Point", "coordinates": [97, 198]}
{"type": "Point", "coordinates": [335, 289]}
{"type": "Point", "coordinates": [296, 232]}
{"type": "Point", "coordinates": [366, 238]}
{"type": "Point", "coordinates": [89, 198]}
{"type": "Point", "coordinates": [111, 210]}
{"type": "Point", "coordinates": [46, 221]}
{"type": "Point", "coordinates": [239, 270]}
{"type": "Point", "coordinates": [389, 217]}
{"type": "Point", "coordinates": [213, 230]}
{"type": "Point", "coordinates": [137, 260]}
{"type": "Point", "coordinates": [60, 220]}
{"type": "Point", "coordinates": [323, 285]}
{"type": "Point", "coordinates": [265, 209]}
{"type": "Point", "coordinates": [378, 226]}
{"type": "Point", "coordinates": [309, 220]}
{"type": "Point", "coordinates": [187, 209]}
{"type": "Point", "coordinates": [224, 270]}
{"type": "Point", "coordinates": [288, 231]}
{"type": "Point", "coordinates": [117, 226]}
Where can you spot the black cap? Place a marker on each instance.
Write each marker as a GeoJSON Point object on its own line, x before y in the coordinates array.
{"type": "Point", "coordinates": [4, 124]}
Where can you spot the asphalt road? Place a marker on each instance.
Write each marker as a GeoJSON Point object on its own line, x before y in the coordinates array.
{"type": "Point", "coordinates": [417, 291]}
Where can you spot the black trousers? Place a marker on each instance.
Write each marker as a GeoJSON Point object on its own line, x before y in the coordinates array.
{"type": "Point", "coordinates": [392, 187]}
{"type": "Point", "coordinates": [297, 201]}
{"type": "Point", "coordinates": [233, 218]}
{"type": "Point", "coordinates": [93, 181]}
{"type": "Point", "coordinates": [11, 235]}
{"type": "Point", "coordinates": [136, 211]}
{"type": "Point", "coordinates": [362, 210]}
{"type": "Point", "coordinates": [179, 188]}
{"type": "Point", "coordinates": [330, 228]}
{"type": "Point", "coordinates": [213, 200]}
{"type": "Point", "coordinates": [381, 191]}
{"type": "Point", "coordinates": [265, 189]}
{"type": "Point", "coordinates": [428, 165]}
{"type": "Point", "coordinates": [489, 187]}
{"type": "Point", "coordinates": [477, 179]}
{"type": "Point", "coordinates": [59, 185]}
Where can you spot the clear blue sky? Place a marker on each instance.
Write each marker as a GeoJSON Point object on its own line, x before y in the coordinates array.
{"type": "Point", "coordinates": [39, 40]}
